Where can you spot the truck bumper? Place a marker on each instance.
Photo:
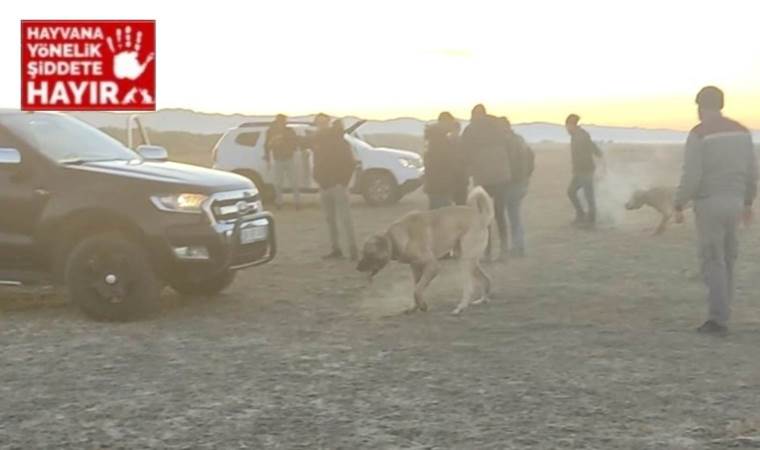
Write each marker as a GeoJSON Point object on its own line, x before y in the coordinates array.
{"type": "Point", "coordinates": [242, 254]}
{"type": "Point", "coordinates": [205, 250]}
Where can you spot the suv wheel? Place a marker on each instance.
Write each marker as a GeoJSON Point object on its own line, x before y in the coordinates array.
{"type": "Point", "coordinates": [379, 188]}
{"type": "Point", "coordinates": [204, 286]}
{"type": "Point", "coordinates": [112, 278]}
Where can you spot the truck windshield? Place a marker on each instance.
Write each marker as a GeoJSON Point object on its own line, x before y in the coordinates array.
{"type": "Point", "coordinates": [66, 140]}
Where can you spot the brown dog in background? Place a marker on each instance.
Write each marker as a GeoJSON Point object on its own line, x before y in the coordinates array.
{"type": "Point", "coordinates": [659, 198]}
{"type": "Point", "coordinates": [421, 238]}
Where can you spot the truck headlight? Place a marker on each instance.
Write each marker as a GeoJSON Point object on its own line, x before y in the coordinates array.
{"type": "Point", "coordinates": [410, 163]}
{"type": "Point", "coordinates": [186, 203]}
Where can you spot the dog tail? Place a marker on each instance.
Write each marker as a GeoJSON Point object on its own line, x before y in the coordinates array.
{"type": "Point", "coordinates": [479, 199]}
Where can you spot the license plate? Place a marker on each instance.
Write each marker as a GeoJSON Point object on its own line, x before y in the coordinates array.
{"type": "Point", "coordinates": [253, 234]}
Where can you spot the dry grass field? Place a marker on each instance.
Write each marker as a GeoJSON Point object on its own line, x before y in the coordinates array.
{"type": "Point", "coordinates": [589, 343]}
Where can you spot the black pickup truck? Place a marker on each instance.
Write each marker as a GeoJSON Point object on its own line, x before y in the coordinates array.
{"type": "Point", "coordinates": [113, 225]}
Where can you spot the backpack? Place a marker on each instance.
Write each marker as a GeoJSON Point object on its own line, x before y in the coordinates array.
{"type": "Point", "coordinates": [522, 159]}
{"type": "Point", "coordinates": [529, 161]}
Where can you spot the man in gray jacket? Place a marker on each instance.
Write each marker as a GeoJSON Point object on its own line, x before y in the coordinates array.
{"type": "Point", "coordinates": [720, 177]}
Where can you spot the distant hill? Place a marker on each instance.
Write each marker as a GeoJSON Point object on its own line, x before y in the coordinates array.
{"type": "Point", "coordinates": [204, 123]}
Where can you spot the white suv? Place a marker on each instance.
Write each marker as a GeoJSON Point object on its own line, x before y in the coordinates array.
{"type": "Point", "coordinates": [383, 175]}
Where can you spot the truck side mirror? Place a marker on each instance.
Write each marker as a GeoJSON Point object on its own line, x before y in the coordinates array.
{"type": "Point", "coordinates": [153, 152]}
{"type": "Point", "coordinates": [9, 157]}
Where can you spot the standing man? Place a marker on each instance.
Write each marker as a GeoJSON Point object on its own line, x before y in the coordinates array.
{"type": "Point", "coordinates": [445, 175]}
{"type": "Point", "coordinates": [485, 142]}
{"type": "Point", "coordinates": [281, 146]}
{"type": "Point", "coordinates": [582, 150]}
{"type": "Point", "coordinates": [720, 177]}
{"type": "Point", "coordinates": [522, 162]}
{"type": "Point", "coordinates": [334, 165]}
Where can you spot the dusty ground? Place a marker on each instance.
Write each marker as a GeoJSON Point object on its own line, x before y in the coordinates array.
{"type": "Point", "coordinates": [588, 343]}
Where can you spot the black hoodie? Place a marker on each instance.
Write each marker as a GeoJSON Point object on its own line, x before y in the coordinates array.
{"type": "Point", "coordinates": [334, 161]}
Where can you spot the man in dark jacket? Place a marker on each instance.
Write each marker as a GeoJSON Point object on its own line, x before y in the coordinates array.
{"type": "Point", "coordinates": [281, 146]}
{"type": "Point", "coordinates": [445, 175]}
{"type": "Point", "coordinates": [334, 165]}
{"type": "Point", "coordinates": [720, 177]}
{"type": "Point", "coordinates": [522, 162]}
{"type": "Point", "coordinates": [583, 151]}
{"type": "Point", "coordinates": [484, 143]}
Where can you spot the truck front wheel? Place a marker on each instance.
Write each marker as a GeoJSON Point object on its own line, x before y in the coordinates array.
{"type": "Point", "coordinates": [111, 278]}
{"type": "Point", "coordinates": [204, 286]}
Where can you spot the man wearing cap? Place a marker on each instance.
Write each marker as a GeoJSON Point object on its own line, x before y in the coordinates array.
{"type": "Point", "coordinates": [582, 151]}
{"type": "Point", "coordinates": [720, 177]}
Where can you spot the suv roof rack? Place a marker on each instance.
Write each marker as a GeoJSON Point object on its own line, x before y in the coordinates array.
{"type": "Point", "coordinates": [261, 123]}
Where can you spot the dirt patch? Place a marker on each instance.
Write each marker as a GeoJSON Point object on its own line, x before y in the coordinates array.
{"type": "Point", "coordinates": [588, 343]}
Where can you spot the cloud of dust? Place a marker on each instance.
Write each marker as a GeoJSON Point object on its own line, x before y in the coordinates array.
{"type": "Point", "coordinates": [392, 291]}
{"type": "Point", "coordinates": [619, 177]}
{"type": "Point", "coordinates": [387, 296]}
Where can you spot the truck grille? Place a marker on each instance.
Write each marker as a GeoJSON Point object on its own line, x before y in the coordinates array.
{"type": "Point", "coordinates": [225, 207]}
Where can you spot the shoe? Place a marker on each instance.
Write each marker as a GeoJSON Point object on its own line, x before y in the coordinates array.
{"type": "Point", "coordinates": [335, 254]}
{"type": "Point", "coordinates": [713, 328]}
{"type": "Point", "coordinates": [579, 221]}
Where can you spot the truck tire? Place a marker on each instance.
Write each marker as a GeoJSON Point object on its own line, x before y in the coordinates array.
{"type": "Point", "coordinates": [204, 286]}
{"type": "Point", "coordinates": [379, 188]}
{"type": "Point", "coordinates": [111, 278]}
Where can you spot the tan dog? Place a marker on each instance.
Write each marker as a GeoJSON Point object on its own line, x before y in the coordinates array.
{"type": "Point", "coordinates": [659, 198]}
{"type": "Point", "coordinates": [421, 238]}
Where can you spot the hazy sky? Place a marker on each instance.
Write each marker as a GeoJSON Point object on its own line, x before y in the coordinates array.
{"type": "Point", "coordinates": [624, 62]}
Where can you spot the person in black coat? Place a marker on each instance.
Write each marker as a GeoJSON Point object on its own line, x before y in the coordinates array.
{"type": "Point", "coordinates": [445, 173]}
{"type": "Point", "coordinates": [334, 165]}
{"type": "Point", "coordinates": [485, 142]}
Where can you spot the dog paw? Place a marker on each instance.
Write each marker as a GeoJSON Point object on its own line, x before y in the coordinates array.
{"type": "Point", "coordinates": [481, 300]}
{"type": "Point", "coordinates": [456, 312]}
{"type": "Point", "coordinates": [411, 310]}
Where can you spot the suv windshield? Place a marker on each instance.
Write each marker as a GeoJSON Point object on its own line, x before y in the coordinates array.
{"type": "Point", "coordinates": [359, 143]}
{"type": "Point", "coordinates": [66, 140]}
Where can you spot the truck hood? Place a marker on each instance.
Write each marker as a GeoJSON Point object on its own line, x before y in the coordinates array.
{"type": "Point", "coordinates": [207, 180]}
